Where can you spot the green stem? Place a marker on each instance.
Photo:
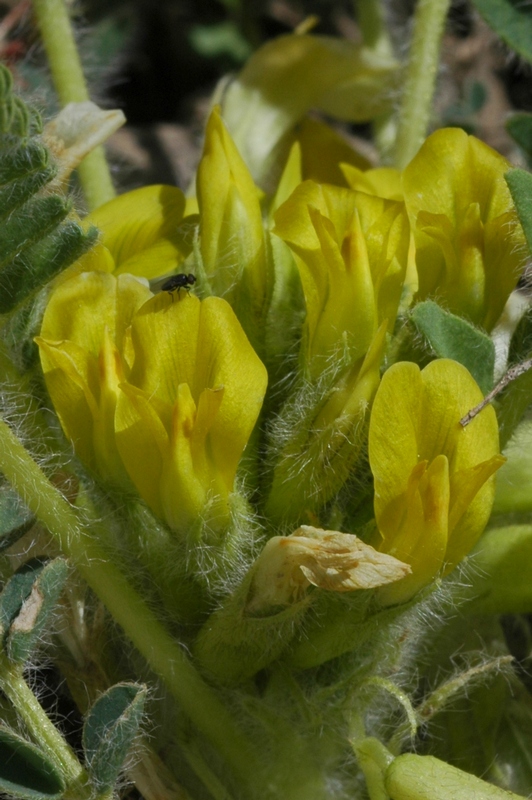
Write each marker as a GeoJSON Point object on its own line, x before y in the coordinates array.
{"type": "Point", "coordinates": [43, 731]}
{"type": "Point", "coordinates": [163, 654]}
{"type": "Point", "coordinates": [67, 73]}
{"type": "Point", "coordinates": [418, 90]}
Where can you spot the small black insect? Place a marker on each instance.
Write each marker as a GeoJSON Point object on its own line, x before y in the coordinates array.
{"type": "Point", "coordinates": [179, 281]}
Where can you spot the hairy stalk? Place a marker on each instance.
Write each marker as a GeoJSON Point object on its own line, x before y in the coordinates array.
{"type": "Point", "coordinates": [420, 79]}
{"type": "Point", "coordinates": [67, 73]}
{"type": "Point", "coordinates": [14, 686]}
{"type": "Point", "coordinates": [163, 654]}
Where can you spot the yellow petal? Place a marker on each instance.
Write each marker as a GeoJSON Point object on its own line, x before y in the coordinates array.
{"type": "Point", "coordinates": [231, 230]}
{"type": "Point", "coordinates": [323, 150]}
{"type": "Point", "coordinates": [141, 230]}
{"type": "Point", "coordinates": [287, 77]}
{"type": "Point", "coordinates": [469, 243]}
{"type": "Point", "coordinates": [381, 181]}
{"type": "Point", "coordinates": [351, 250]}
{"type": "Point", "coordinates": [83, 330]}
{"type": "Point", "coordinates": [415, 422]}
{"type": "Point", "coordinates": [143, 443]}
{"type": "Point", "coordinates": [71, 380]}
{"type": "Point", "coordinates": [195, 369]}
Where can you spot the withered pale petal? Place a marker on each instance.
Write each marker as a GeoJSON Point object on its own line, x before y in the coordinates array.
{"type": "Point", "coordinates": [329, 560]}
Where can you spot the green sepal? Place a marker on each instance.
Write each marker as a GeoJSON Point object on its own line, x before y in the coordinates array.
{"type": "Point", "coordinates": [109, 730]}
{"type": "Point", "coordinates": [25, 771]}
{"type": "Point", "coordinates": [500, 582]}
{"type": "Point", "coordinates": [510, 20]}
{"type": "Point", "coordinates": [519, 126]}
{"type": "Point", "coordinates": [34, 268]}
{"type": "Point", "coordinates": [234, 645]}
{"type": "Point", "coordinates": [520, 184]}
{"type": "Point", "coordinates": [344, 623]}
{"type": "Point", "coordinates": [450, 336]}
{"type": "Point", "coordinates": [27, 627]}
{"type": "Point", "coordinates": [16, 590]}
{"type": "Point", "coordinates": [15, 518]}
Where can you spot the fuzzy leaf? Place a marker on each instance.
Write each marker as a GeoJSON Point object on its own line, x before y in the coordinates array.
{"type": "Point", "coordinates": [16, 590]}
{"type": "Point", "coordinates": [30, 225]}
{"type": "Point", "coordinates": [23, 161]}
{"type": "Point", "coordinates": [520, 184]}
{"type": "Point", "coordinates": [109, 730]}
{"type": "Point", "coordinates": [15, 519]}
{"type": "Point", "coordinates": [512, 21]}
{"type": "Point", "coordinates": [15, 116]}
{"type": "Point", "coordinates": [25, 771]}
{"type": "Point", "coordinates": [30, 270]}
{"type": "Point", "coordinates": [453, 337]}
{"type": "Point", "coordinates": [27, 628]}
{"type": "Point", "coordinates": [34, 244]}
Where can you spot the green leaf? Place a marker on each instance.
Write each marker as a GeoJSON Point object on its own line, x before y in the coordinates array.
{"type": "Point", "coordinates": [520, 184]}
{"type": "Point", "coordinates": [512, 21]}
{"type": "Point", "coordinates": [109, 730]}
{"type": "Point", "coordinates": [16, 590]}
{"type": "Point", "coordinates": [452, 337]}
{"type": "Point", "coordinates": [29, 225]}
{"type": "Point", "coordinates": [25, 771]}
{"type": "Point", "coordinates": [22, 160]}
{"type": "Point", "coordinates": [35, 240]}
{"type": "Point", "coordinates": [519, 126]}
{"type": "Point", "coordinates": [27, 627]}
{"type": "Point", "coordinates": [15, 117]}
{"type": "Point", "coordinates": [32, 269]}
{"type": "Point", "coordinates": [15, 518]}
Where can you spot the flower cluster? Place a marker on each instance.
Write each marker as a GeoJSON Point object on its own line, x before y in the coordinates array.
{"type": "Point", "coordinates": [162, 393]}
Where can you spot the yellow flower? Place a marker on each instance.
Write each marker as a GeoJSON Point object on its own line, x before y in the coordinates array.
{"type": "Point", "coordinates": [233, 254]}
{"type": "Point", "coordinates": [186, 412]}
{"type": "Point", "coordinates": [469, 244]}
{"type": "Point", "coordinates": [351, 250]}
{"type": "Point", "coordinates": [434, 483]}
{"type": "Point", "coordinates": [81, 344]}
{"type": "Point", "coordinates": [154, 391]}
{"type": "Point", "coordinates": [140, 233]}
